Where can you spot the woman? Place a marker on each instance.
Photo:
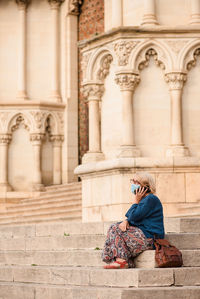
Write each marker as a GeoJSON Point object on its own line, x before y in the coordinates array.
{"type": "Point", "coordinates": [144, 221]}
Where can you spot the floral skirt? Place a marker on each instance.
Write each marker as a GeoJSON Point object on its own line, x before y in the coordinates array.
{"type": "Point", "coordinates": [125, 245]}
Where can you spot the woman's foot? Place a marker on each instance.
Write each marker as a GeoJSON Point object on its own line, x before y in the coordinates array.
{"type": "Point", "coordinates": [118, 264]}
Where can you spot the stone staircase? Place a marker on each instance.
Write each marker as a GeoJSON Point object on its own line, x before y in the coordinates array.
{"type": "Point", "coordinates": [63, 260]}
{"type": "Point", "coordinates": [57, 203]}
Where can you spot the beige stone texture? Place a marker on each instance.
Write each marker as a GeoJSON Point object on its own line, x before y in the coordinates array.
{"type": "Point", "coordinates": [192, 187]}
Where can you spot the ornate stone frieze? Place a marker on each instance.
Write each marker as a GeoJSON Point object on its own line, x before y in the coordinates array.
{"type": "Point", "coordinates": [57, 139]}
{"type": "Point", "coordinates": [84, 63]}
{"type": "Point", "coordinates": [104, 68]}
{"type": "Point", "coordinates": [5, 138]}
{"type": "Point", "coordinates": [38, 117]}
{"type": "Point", "coordinates": [123, 50]}
{"type": "Point", "coordinates": [55, 4]}
{"type": "Point", "coordinates": [176, 45]}
{"type": "Point", "coordinates": [74, 7]}
{"type": "Point", "coordinates": [22, 4]}
{"type": "Point", "coordinates": [151, 53]}
{"type": "Point", "coordinates": [127, 81]}
{"type": "Point", "coordinates": [175, 80]}
{"type": "Point", "coordinates": [37, 137]}
{"type": "Point", "coordinates": [192, 62]}
{"type": "Point", "coordinates": [20, 121]}
{"type": "Point", "coordinates": [93, 91]}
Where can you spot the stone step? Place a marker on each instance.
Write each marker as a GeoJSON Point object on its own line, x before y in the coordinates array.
{"type": "Point", "coordinates": [37, 291]}
{"type": "Point", "coordinates": [172, 225]}
{"type": "Point", "coordinates": [84, 258]}
{"type": "Point", "coordinates": [87, 276]}
{"type": "Point", "coordinates": [181, 241]}
{"type": "Point", "coordinates": [66, 216]}
{"type": "Point", "coordinates": [68, 208]}
{"type": "Point", "coordinates": [60, 194]}
{"type": "Point", "coordinates": [69, 186]}
{"type": "Point", "coordinates": [46, 206]}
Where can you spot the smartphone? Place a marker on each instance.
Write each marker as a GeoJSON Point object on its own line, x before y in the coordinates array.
{"type": "Point", "coordinates": [146, 189]}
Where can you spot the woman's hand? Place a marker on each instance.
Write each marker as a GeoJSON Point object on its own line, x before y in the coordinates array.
{"type": "Point", "coordinates": [140, 194]}
{"type": "Point", "coordinates": [124, 225]}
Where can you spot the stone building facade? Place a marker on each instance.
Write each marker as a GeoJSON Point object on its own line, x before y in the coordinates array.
{"type": "Point", "coordinates": [101, 89]}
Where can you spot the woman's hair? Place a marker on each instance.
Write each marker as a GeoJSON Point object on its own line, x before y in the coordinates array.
{"type": "Point", "coordinates": [146, 180]}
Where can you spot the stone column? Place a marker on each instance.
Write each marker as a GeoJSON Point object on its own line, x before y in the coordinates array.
{"type": "Point", "coordinates": [57, 158]}
{"type": "Point", "coordinates": [149, 16]}
{"type": "Point", "coordinates": [21, 93]}
{"type": "Point", "coordinates": [93, 93]}
{"type": "Point", "coordinates": [127, 82]}
{"type": "Point", "coordinates": [36, 140]}
{"type": "Point", "coordinates": [55, 89]}
{"type": "Point", "coordinates": [176, 81]}
{"type": "Point", "coordinates": [117, 13]}
{"type": "Point", "coordinates": [195, 12]}
{"type": "Point", "coordinates": [4, 142]}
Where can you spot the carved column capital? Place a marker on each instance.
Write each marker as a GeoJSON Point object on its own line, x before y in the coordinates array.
{"type": "Point", "coordinates": [5, 138]}
{"type": "Point", "coordinates": [57, 139]}
{"type": "Point", "coordinates": [127, 80]}
{"type": "Point", "coordinates": [22, 4]}
{"type": "Point", "coordinates": [37, 137]}
{"type": "Point", "coordinates": [55, 4]}
{"type": "Point", "coordinates": [74, 7]}
{"type": "Point", "coordinates": [175, 80]}
{"type": "Point", "coordinates": [93, 91]}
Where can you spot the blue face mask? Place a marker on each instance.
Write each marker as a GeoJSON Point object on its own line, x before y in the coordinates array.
{"type": "Point", "coordinates": [134, 187]}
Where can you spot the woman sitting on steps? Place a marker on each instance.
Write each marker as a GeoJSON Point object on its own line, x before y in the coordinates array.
{"type": "Point", "coordinates": [144, 220]}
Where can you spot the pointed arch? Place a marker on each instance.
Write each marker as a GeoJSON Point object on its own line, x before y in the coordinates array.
{"type": "Point", "coordinates": [17, 119]}
{"type": "Point", "coordinates": [188, 55]}
{"type": "Point", "coordinates": [157, 49]}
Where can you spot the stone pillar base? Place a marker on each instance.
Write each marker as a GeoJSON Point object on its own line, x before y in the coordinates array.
{"type": "Point", "coordinates": [177, 151]}
{"type": "Point", "coordinates": [5, 187]}
{"type": "Point", "coordinates": [128, 152]}
{"type": "Point", "coordinates": [92, 157]}
{"type": "Point", "coordinates": [38, 187]}
{"type": "Point", "coordinates": [21, 95]}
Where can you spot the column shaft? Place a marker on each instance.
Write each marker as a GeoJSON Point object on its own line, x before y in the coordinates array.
{"type": "Point", "coordinates": [195, 12]}
{"type": "Point", "coordinates": [4, 142]}
{"type": "Point", "coordinates": [149, 16]}
{"type": "Point", "coordinates": [176, 117]}
{"type": "Point", "coordinates": [37, 172]}
{"type": "Point", "coordinates": [57, 158]}
{"type": "Point", "coordinates": [21, 94]}
{"type": "Point", "coordinates": [117, 11]}
{"type": "Point", "coordinates": [127, 117]}
{"type": "Point", "coordinates": [94, 126]}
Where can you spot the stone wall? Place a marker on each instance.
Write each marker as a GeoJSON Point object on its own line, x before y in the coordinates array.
{"type": "Point", "coordinates": [91, 23]}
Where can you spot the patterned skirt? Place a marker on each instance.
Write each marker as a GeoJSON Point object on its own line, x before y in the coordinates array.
{"type": "Point", "coordinates": [125, 245]}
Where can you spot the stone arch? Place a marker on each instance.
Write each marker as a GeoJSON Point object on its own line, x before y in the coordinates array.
{"type": "Point", "coordinates": [140, 56]}
{"type": "Point", "coordinates": [98, 65]}
{"type": "Point", "coordinates": [188, 55]}
{"type": "Point", "coordinates": [53, 122]}
{"type": "Point", "coordinates": [19, 119]}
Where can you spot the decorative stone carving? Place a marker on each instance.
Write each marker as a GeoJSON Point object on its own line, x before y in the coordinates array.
{"type": "Point", "coordinates": [22, 4]}
{"type": "Point", "coordinates": [104, 68]}
{"type": "Point", "coordinates": [175, 80]}
{"type": "Point", "coordinates": [55, 4]}
{"type": "Point", "coordinates": [123, 50]}
{"type": "Point", "coordinates": [4, 115]}
{"type": "Point", "coordinates": [176, 45]}
{"type": "Point", "coordinates": [5, 138]}
{"type": "Point", "coordinates": [20, 121]}
{"type": "Point", "coordinates": [93, 91]}
{"type": "Point", "coordinates": [74, 7]}
{"type": "Point", "coordinates": [192, 62]}
{"type": "Point", "coordinates": [151, 53]}
{"type": "Point", "coordinates": [61, 119]}
{"type": "Point", "coordinates": [38, 117]}
{"type": "Point", "coordinates": [37, 137]}
{"type": "Point", "coordinates": [57, 139]}
{"type": "Point", "coordinates": [127, 81]}
{"type": "Point", "coordinates": [84, 63]}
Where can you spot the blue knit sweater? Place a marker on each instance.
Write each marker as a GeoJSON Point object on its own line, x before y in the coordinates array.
{"type": "Point", "coordinates": [148, 216]}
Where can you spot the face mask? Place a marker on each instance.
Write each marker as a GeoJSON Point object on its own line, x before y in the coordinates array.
{"type": "Point", "coordinates": [134, 187]}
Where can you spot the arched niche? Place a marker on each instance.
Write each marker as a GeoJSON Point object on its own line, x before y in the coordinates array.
{"type": "Point", "coordinates": [20, 156]}
{"type": "Point", "coordinates": [151, 107]}
{"type": "Point", "coordinates": [47, 153]}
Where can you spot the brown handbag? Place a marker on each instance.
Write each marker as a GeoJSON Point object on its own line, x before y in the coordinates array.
{"type": "Point", "coordinates": [167, 255]}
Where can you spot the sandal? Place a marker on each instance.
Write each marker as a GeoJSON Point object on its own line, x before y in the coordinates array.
{"type": "Point", "coordinates": [123, 265]}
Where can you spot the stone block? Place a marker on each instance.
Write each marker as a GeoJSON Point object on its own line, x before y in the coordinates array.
{"type": "Point", "coordinates": [192, 187]}
{"type": "Point", "coordinates": [170, 187]}
{"type": "Point", "coordinates": [187, 276]}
